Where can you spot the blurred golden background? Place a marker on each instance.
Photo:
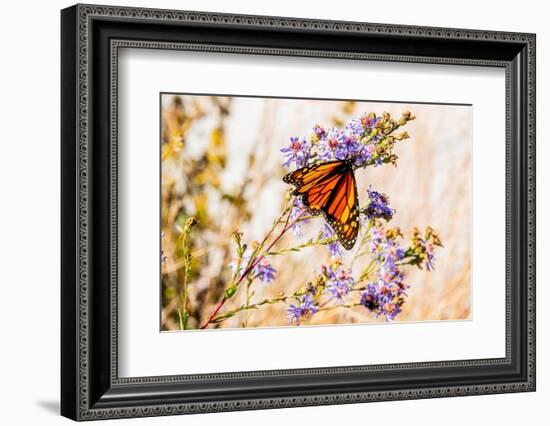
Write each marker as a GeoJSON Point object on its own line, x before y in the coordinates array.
{"type": "Point", "coordinates": [221, 164]}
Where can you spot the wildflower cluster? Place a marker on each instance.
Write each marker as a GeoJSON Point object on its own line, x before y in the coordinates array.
{"type": "Point", "coordinates": [368, 140]}
{"type": "Point", "coordinates": [334, 282]}
{"type": "Point", "coordinates": [264, 271]}
{"type": "Point", "coordinates": [377, 207]}
{"type": "Point", "coordinates": [380, 287]}
{"type": "Point", "coordinates": [385, 290]}
{"type": "Point", "coordinates": [422, 250]}
{"type": "Point", "coordinates": [303, 310]}
{"type": "Point", "coordinates": [296, 210]}
{"type": "Point", "coordinates": [339, 281]}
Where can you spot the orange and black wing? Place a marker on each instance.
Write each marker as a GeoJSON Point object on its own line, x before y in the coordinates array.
{"type": "Point", "coordinates": [330, 188]}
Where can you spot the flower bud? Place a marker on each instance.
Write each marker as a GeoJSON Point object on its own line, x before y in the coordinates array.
{"type": "Point", "coordinates": [230, 292]}
{"type": "Point", "coordinates": [190, 223]}
{"type": "Point", "coordinates": [237, 236]}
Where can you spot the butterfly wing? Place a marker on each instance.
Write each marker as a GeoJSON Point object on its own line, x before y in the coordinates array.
{"type": "Point", "coordinates": [342, 210]}
{"type": "Point", "coordinates": [306, 177]}
{"type": "Point", "coordinates": [330, 188]}
{"type": "Point", "coordinates": [314, 183]}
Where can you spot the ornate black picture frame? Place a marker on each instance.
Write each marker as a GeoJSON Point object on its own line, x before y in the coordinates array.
{"type": "Point", "coordinates": [91, 36]}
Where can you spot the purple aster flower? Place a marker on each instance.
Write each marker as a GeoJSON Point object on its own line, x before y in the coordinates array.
{"type": "Point", "coordinates": [304, 309]}
{"type": "Point", "coordinates": [361, 126]}
{"type": "Point", "coordinates": [365, 153]}
{"type": "Point", "coordinates": [430, 257]}
{"type": "Point", "coordinates": [355, 127]}
{"type": "Point", "coordinates": [368, 121]}
{"type": "Point", "coordinates": [296, 210]}
{"type": "Point", "coordinates": [377, 236]}
{"type": "Point", "coordinates": [335, 248]}
{"type": "Point", "coordinates": [385, 249]}
{"type": "Point", "coordinates": [339, 282]}
{"type": "Point", "coordinates": [369, 298]}
{"type": "Point", "coordinates": [333, 146]}
{"type": "Point", "coordinates": [297, 152]}
{"type": "Point", "coordinates": [390, 276]}
{"type": "Point", "coordinates": [385, 293]}
{"type": "Point", "coordinates": [338, 289]}
{"type": "Point", "coordinates": [383, 299]}
{"type": "Point", "coordinates": [378, 206]}
{"type": "Point", "coordinates": [335, 138]}
{"type": "Point", "coordinates": [351, 146]}
{"type": "Point", "coordinates": [319, 131]}
{"type": "Point", "coordinates": [264, 271]}
{"type": "Point", "coordinates": [397, 252]}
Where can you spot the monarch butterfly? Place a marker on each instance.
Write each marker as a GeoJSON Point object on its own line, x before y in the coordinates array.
{"type": "Point", "coordinates": [330, 188]}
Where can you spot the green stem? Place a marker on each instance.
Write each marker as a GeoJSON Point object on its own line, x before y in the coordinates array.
{"type": "Point", "coordinates": [183, 313]}
{"type": "Point", "coordinates": [247, 302]}
{"type": "Point", "coordinates": [297, 248]}
{"type": "Point", "coordinates": [229, 314]}
{"type": "Point", "coordinates": [180, 317]}
{"type": "Point", "coordinates": [367, 271]}
{"type": "Point", "coordinates": [254, 260]}
{"type": "Point", "coordinates": [364, 239]}
{"type": "Point", "coordinates": [337, 306]}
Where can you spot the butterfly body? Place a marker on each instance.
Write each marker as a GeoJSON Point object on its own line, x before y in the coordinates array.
{"type": "Point", "coordinates": [330, 188]}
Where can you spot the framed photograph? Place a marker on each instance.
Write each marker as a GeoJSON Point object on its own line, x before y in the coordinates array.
{"type": "Point", "coordinates": [263, 212]}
